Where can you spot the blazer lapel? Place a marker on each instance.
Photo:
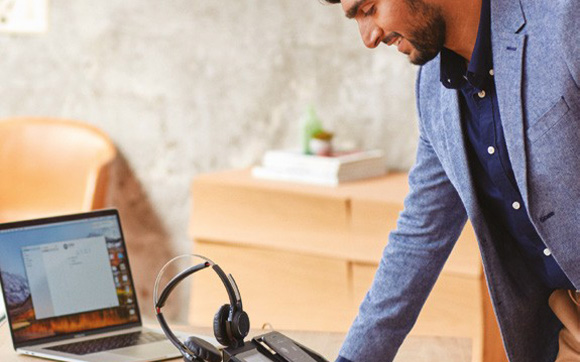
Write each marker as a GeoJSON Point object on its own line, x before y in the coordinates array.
{"type": "Point", "coordinates": [450, 114]}
{"type": "Point", "coordinates": [508, 51]}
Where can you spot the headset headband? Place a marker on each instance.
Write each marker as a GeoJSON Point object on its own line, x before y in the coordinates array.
{"type": "Point", "coordinates": [227, 280]}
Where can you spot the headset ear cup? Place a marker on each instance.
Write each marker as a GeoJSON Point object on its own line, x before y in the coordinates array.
{"type": "Point", "coordinates": [220, 330]}
{"type": "Point", "coordinates": [203, 349]}
{"type": "Point", "coordinates": [240, 326]}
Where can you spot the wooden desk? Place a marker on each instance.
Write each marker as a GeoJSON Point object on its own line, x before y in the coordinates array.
{"type": "Point", "coordinates": [304, 256]}
{"type": "Point", "coordinates": [415, 349]}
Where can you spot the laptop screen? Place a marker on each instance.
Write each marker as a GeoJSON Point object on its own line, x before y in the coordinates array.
{"type": "Point", "coordinates": [65, 275]}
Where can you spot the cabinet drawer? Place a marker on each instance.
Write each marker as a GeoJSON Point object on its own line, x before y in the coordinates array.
{"type": "Point", "coordinates": [243, 213]}
{"type": "Point", "coordinates": [288, 290]}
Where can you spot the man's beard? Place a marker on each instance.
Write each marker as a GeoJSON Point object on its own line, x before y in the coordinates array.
{"type": "Point", "coordinates": [429, 36]}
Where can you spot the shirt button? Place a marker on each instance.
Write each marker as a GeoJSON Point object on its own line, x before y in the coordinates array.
{"type": "Point", "coordinates": [481, 94]}
{"type": "Point", "coordinates": [491, 72]}
{"type": "Point", "coordinates": [516, 205]}
{"type": "Point", "coordinates": [547, 252]}
{"type": "Point", "coordinates": [491, 150]}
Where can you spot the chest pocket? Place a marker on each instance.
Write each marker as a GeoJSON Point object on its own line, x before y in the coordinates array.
{"type": "Point", "coordinates": [554, 140]}
{"type": "Point", "coordinates": [548, 121]}
{"type": "Point", "coordinates": [554, 155]}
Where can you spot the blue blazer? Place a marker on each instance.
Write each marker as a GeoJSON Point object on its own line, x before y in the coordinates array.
{"type": "Point", "coordinates": [536, 61]}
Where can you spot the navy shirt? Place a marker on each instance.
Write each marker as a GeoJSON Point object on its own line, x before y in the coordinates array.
{"type": "Point", "coordinates": [487, 153]}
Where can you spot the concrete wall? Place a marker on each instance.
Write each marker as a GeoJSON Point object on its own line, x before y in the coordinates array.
{"type": "Point", "coordinates": [191, 86]}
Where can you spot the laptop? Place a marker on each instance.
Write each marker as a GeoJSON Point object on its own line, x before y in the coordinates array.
{"type": "Point", "coordinates": [69, 294]}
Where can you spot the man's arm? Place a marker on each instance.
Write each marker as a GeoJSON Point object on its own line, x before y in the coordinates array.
{"type": "Point", "coordinates": [427, 230]}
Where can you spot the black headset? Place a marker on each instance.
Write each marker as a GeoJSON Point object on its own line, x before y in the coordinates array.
{"type": "Point", "coordinates": [230, 325]}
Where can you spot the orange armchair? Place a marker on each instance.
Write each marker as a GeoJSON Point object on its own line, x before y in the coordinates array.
{"type": "Point", "coordinates": [51, 167]}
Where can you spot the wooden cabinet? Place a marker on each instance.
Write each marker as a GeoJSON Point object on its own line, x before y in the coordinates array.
{"type": "Point", "coordinates": [304, 256]}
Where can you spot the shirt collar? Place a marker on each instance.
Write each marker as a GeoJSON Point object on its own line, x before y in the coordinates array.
{"type": "Point", "coordinates": [453, 70]}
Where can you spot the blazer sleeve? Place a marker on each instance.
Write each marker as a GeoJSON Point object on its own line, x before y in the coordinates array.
{"type": "Point", "coordinates": [427, 229]}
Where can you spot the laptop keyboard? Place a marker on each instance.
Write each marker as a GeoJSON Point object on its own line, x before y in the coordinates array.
{"type": "Point", "coordinates": [109, 343]}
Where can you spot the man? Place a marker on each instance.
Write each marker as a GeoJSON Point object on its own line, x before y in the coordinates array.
{"type": "Point", "coordinates": [499, 107]}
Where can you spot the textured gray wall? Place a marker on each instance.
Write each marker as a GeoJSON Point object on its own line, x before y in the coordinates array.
{"type": "Point", "coordinates": [190, 86]}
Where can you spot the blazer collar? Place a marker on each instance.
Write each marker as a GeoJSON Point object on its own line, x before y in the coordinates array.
{"type": "Point", "coordinates": [508, 49]}
{"type": "Point", "coordinates": [507, 16]}
{"type": "Point", "coordinates": [507, 19]}
{"type": "Point", "coordinates": [455, 141]}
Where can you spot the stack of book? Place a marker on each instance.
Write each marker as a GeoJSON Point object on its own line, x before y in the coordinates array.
{"type": "Point", "coordinates": [293, 165]}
